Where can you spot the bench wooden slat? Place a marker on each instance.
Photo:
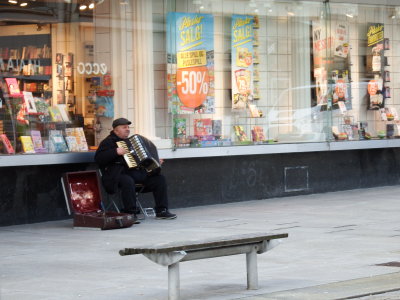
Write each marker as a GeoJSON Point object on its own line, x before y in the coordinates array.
{"type": "Point", "coordinates": [208, 243]}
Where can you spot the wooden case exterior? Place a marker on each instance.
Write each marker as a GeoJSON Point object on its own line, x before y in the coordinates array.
{"type": "Point", "coordinates": [84, 200]}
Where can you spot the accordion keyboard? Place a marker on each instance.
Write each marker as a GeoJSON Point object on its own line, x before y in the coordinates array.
{"type": "Point", "coordinates": [129, 159]}
{"type": "Point", "coordinates": [139, 149]}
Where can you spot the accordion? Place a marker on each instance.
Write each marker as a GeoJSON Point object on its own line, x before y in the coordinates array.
{"type": "Point", "coordinates": [138, 155]}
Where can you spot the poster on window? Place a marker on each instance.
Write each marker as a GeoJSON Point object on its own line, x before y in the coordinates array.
{"type": "Point", "coordinates": [190, 63]}
{"type": "Point", "coordinates": [341, 39]}
{"type": "Point", "coordinates": [242, 60]}
{"type": "Point", "coordinates": [331, 66]}
{"type": "Point", "coordinates": [375, 47]}
{"type": "Point", "coordinates": [320, 63]}
{"type": "Point", "coordinates": [375, 66]}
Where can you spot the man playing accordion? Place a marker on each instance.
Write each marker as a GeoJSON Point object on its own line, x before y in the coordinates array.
{"type": "Point", "coordinates": [117, 174]}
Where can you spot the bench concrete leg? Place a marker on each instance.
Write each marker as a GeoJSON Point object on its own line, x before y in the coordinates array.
{"type": "Point", "coordinates": [173, 282]}
{"type": "Point", "coordinates": [252, 273]}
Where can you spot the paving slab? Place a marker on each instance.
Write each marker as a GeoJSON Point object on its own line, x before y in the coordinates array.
{"type": "Point", "coordinates": [379, 286]}
{"type": "Point", "coordinates": [333, 237]}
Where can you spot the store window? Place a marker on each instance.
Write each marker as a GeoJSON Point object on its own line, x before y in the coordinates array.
{"type": "Point", "coordinates": [239, 72]}
{"type": "Point", "coordinates": [368, 62]}
{"type": "Point", "coordinates": [53, 84]}
{"type": "Point", "coordinates": [264, 72]}
{"type": "Point", "coordinates": [196, 73]}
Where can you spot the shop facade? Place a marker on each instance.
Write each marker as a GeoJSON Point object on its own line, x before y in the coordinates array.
{"type": "Point", "coordinates": [245, 100]}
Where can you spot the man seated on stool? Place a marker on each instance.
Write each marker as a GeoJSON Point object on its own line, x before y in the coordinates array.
{"type": "Point", "coordinates": [116, 173]}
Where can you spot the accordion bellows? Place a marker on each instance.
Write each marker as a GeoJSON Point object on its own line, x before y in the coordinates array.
{"type": "Point", "coordinates": [138, 155]}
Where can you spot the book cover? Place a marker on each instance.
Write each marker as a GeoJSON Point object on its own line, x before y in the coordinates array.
{"type": "Point", "coordinates": [383, 114]}
{"type": "Point", "coordinates": [7, 144]}
{"type": "Point", "coordinates": [217, 128]}
{"type": "Point", "coordinates": [37, 141]}
{"type": "Point", "coordinates": [79, 134]}
{"type": "Point", "coordinates": [202, 127]}
{"type": "Point", "coordinates": [258, 134]}
{"type": "Point", "coordinates": [55, 114]}
{"type": "Point", "coordinates": [342, 106]}
{"type": "Point", "coordinates": [240, 133]}
{"type": "Point", "coordinates": [393, 111]}
{"type": "Point", "coordinates": [179, 127]}
{"type": "Point", "coordinates": [57, 143]}
{"type": "Point", "coordinates": [72, 143]}
{"type": "Point", "coordinates": [64, 112]}
{"type": "Point", "coordinates": [27, 144]}
{"type": "Point", "coordinates": [29, 102]}
{"type": "Point", "coordinates": [254, 113]}
{"type": "Point", "coordinates": [13, 87]}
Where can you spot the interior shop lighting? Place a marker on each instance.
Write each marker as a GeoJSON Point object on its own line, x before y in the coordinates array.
{"type": "Point", "coordinates": [23, 4]}
{"type": "Point", "coordinates": [396, 13]}
{"type": "Point", "coordinates": [351, 12]}
{"type": "Point", "coordinates": [13, 1]}
{"type": "Point", "coordinates": [91, 5]}
{"type": "Point", "coordinates": [82, 7]}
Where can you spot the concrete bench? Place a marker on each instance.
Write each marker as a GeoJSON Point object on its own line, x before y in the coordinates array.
{"type": "Point", "coordinates": [171, 254]}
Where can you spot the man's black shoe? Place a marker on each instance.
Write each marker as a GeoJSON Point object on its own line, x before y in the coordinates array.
{"type": "Point", "coordinates": [165, 214]}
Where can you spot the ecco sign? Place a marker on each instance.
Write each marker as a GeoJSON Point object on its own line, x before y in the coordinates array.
{"type": "Point", "coordinates": [92, 68]}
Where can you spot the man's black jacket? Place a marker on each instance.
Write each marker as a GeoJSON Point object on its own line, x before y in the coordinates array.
{"type": "Point", "coordinates": [112, 164]}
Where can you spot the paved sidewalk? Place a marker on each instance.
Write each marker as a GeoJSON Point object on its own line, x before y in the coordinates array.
{"type": "Point", "coordinates": [333, 238]}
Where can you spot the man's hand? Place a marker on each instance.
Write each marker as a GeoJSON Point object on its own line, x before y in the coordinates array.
{"type": "Point", "coordinates": [161, 161]}
{"type": "Point", "coordinates": [121, 151]}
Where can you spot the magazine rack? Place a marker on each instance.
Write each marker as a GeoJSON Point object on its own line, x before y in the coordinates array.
{"type": "Point", "coordinates": [83, 199]}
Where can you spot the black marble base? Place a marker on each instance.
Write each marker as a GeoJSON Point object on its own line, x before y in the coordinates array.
{"type": "Point", "coordinates": [34, 193]}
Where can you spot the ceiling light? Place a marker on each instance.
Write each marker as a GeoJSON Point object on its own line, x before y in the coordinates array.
{"type": "Point", "coordinates": [91, 5]}
{"type": "Point", "coordinates": [82, 7]}
{"type": "Point", "coordinates": [290, 13]}
{"type": "Point", "coordinates": [24, 4]}
{"type": "Point", "coordinates": [350, 15]}
{"type": "Point", "coordinates": [252, 3]}
{"type": "Point", "coordinates": [13, 1]}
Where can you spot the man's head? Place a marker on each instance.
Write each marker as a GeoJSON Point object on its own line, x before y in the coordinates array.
{"type": "Point", "coordinates": [121, 127]}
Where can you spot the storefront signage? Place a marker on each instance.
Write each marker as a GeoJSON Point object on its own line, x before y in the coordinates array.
{"type": "Point", "coordinates": [91, 68]}
{"type": "Point", "coordinates": [18, 65]}
{"type": "Point", "coordinates": [375, 34]}
{"type": "Point", "coordinates": [190, 62]}
{"type": "Point", "coordinates": [242, 60]}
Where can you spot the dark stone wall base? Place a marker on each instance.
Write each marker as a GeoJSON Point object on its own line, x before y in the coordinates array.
{"type": "Point", "coordinates": [34, 193]}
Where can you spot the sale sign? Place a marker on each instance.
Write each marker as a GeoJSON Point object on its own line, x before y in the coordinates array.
{"type": "Point", "coordinates": [190, 69]}
{"type": "Point", "coordinates": [242, 60]}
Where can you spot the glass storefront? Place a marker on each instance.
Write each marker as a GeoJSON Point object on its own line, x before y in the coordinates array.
{"type": "Point", "coordinates": [197, 73]}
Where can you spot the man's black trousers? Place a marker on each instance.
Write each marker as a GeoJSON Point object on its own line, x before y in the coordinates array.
{"type": "Point", "coordinates": [155, 183]}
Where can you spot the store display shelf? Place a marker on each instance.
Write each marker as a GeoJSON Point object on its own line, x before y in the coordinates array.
{"type": "Point", "coordinates": [88, 157]}
{"type": "Point", "coordinates": [31, 77]}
